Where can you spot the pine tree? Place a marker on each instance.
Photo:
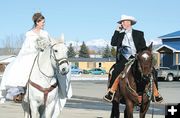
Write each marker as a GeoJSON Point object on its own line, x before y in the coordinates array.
{"type": "Point", "coordinates": [84, 51]}
{"type": "Point", "coordinates": [113, 52]}
{"type": "Point", "coordinates": [71, 53]}
{"type": "Point", "coordinates": [107, 52]}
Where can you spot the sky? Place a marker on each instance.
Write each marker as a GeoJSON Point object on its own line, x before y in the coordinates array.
{"type": "Point", "coordinates": [89, 20]}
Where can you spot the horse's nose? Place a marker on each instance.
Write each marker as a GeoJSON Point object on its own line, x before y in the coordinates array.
{"type": "Point", "coordinates": [63, 69]}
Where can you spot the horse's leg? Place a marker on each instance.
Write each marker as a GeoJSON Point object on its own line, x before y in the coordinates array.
{"type": "Point", "coordinates": [34, 109]}
{"type": "Point", "coordinates": [26, 112]}
{"type": "Point", "coordinates": [129, 108]}
{"type": "Point", "coordinates": [125, 113]}
{"type": "Point", "coordinates": [115, 109]}
{"type": "Point", "coordinates": [144, 109]}
{"type": "Point", "coordinates": [49, 111]}
{"type": "Point", "coordinates": [26, 107]}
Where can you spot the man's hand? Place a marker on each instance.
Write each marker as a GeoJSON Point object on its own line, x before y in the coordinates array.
{"type": "Point", "coordinates": [119, 27]}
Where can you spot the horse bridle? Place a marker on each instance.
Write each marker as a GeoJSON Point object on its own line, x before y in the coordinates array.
{"type": "Point", "coordinates": [57, 61]}
{"type": "Point", "coordinates": [52, 87]}
{"type": "Point", "coordinates": [143, 68]}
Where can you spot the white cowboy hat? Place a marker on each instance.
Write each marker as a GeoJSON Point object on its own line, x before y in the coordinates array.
{"type": "Point", "coordinates": [125, 17]}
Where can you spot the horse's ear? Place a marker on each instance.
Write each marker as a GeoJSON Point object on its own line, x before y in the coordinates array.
{"type": "Point", "coordinates": [150, 46]}
{"type": "Point", "coordinates": [62, 38]}
{"type": "Point", "coordinates": [57, 40]}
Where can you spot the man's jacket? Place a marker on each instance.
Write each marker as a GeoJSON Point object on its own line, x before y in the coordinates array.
{"type": "Point", "coordinates": [138, 38]}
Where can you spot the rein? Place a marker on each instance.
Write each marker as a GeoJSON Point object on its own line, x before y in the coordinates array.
{"type": "Point", "coordinates": [40, 88]}
{"type": "Point", "coordinates": [147, 91]}
{"type": "Point", "coordinates": [27, 86]}
{"type": "Point", "coordinates": [47, 90]}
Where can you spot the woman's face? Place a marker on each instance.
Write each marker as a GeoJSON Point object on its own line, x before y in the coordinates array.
{"type": "Point", "coordinates": [126, 24]}
{"type": "Point", "coordinates": [40, 24]}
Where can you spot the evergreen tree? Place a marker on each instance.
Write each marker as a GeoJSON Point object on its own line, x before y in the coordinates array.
{"type": "Point", "coordinates": [84, 51]}
{"type": "Point", "coordinates": [107, 52]}
{"type": "Point", "coordinates": [113, 52]}
{"type": "Point", "coordinates": [71, 53]}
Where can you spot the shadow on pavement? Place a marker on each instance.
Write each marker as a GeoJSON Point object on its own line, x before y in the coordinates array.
{"type": "Point", "coordinates": [83, 102]}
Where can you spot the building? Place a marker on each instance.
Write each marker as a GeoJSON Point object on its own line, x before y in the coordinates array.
{"type": "Point", "coordinates": [89, 63]}
{"type": "Point", "coordinates": [169, 51]}
{"type": "Point", "coordinates": [5, 60]}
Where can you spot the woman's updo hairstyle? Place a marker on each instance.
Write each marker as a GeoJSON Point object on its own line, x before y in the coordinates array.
{"type": "Point", "coordinates": [37, 17]}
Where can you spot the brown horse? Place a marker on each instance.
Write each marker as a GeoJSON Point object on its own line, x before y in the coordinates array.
{"type": "Point", "coordinates": [135, 89]}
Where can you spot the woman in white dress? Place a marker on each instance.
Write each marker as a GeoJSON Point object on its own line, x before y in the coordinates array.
{"type": "Point", "coordinates": [17, 72]}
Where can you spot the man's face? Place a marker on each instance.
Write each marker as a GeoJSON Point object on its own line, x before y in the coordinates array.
{"type": "Point", "coordinates": [126, 24]}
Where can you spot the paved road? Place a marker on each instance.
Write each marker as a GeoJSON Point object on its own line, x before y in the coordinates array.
{"type": "Point", "coordinates": [87, 101]}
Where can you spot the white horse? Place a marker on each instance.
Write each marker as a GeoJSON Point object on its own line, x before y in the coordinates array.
{"type": "Point", "coordinates": [49, 83]}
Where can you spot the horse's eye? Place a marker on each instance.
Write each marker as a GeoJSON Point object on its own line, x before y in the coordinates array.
{"type": "Point", "coordinates": [55, 50]}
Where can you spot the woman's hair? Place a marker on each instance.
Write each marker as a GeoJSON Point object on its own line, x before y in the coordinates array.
{"type": "Point", "coordinates": [37, 17]}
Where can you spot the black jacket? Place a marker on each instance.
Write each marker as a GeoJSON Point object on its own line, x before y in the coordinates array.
{"type": "Point", "coordinates": [138, 38]}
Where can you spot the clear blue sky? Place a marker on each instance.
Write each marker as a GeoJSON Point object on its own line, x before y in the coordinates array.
{"type": "Point", "coordinates": [84, 20]}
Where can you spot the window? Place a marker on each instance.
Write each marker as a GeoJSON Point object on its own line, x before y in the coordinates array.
{"type": "Point", "coordinates": [100, 65]}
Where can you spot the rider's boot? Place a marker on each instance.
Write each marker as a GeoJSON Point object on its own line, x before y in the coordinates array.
{"type": "Point", "coordinates": [110, 94]}
{"type": "Point", "coordinates": [157, 97]}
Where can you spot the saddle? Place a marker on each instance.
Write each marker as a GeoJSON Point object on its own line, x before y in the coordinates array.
{"type": "Point", "coordinates": [140, 83]}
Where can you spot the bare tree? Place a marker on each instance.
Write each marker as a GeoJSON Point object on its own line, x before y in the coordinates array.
{"type": "Point", "coordinates": [12, 44]}
{"type": "Point", "coordinates": [7, 45]}
{"type": "Point", "coordinates": [18, 43]}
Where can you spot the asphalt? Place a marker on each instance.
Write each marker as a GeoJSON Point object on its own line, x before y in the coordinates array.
{"type": "Point", "coordinates": [87, 100]}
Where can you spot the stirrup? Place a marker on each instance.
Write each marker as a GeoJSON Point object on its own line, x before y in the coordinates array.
{"type": "Point", "coordinates": [157, 99]}
{"type": "Point", "coordinates": [109, 96]}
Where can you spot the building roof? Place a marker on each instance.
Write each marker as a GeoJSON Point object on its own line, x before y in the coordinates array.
{"type": "Point", "coordinates": [175, 46]}
{"type": "Point", "coordinates": [171, 35]}
{"type": "Point", "coordinates": [7, 58]}
{"type": "Point", "coordinates": [168, 47]}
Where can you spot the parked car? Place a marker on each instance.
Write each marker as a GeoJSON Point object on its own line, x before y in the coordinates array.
{"type": "Point", "coordinates": [162, 73]}
{"type": "Point", "coordinates": [76, 70]}
{"type": "Point", "coordinates": [97, 71]}
{"type": "Point", "coordinates": [85, 71]}
{"type": "Point", "coordinates": [169, 73]}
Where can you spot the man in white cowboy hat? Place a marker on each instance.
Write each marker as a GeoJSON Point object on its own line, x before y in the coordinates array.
{"type": "Point", "coordinates": [128, 41]}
